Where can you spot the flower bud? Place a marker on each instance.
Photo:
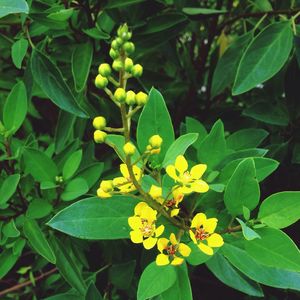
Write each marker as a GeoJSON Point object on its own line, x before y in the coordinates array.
{"type": "Point", "coordinates": [107, 186]}
{"type": "Point", "coordinates": [120, 95]}
{"type": "Point", "coordinates": [101, 82]}
{"type": "Point", "coordinates": [128, 64]}
{"type": "Point", "coordinates": [130, 98]}
{"type": "Point", "coordinates": [115, 44]}
{"type": "Point", "coordinates": [155, 141]}
{"type": "Point", "coordinates": [129, 148]}
{"type": "Point", "coordinates": [104, 70]}
{"type": "Point", "coordinates": [128, 47]}
{"type": "Point", "coordinates": [99, 136]}
{"type": "Point", "coordinates": [123, 32]}
{"type": "Point", "coordinates": [117, 65]}
{"type": "Point", "coordinates": [141, 98]}
{"type": "Point", "coordinates": [99, 122]}
{"type": "Point", "coordinates": [137, 70]}
{"type": "Point", "coordinates": [113, 54]}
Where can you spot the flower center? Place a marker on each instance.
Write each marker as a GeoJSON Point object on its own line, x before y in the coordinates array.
{"type": "Point", "coordinates": [171, 250]}
{"type": "Point", "coordinates": [201, 234]}
{"type": "Point", "coordinates": [186, 178]}
{"type": "Point", "coordinates": [170, 203]}
{"type": "Point", "coordinates": [147, 229]}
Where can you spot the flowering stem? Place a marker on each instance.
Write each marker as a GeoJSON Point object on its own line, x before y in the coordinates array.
{"type": "Point", "coordinates": [110, 129]}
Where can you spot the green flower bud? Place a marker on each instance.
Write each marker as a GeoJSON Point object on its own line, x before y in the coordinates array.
{"type": "Point", "coordinates": [113, 53]}
{"type": "Point", "coordinates": [119, 41]}
{"type": "Point", "coordinates": [115, 45]}
{"type": "Point", "coordinates": [130, 98]}
{"type": "Point", "coordinates": [141, 98]}
{"type": "Point", "coordinates": [129, 47]}
{"type": "Point", "coordinates": [137, 70]}
{"type": "Point", "coordinates": [120, 95]}
{"type": "Point", "coordinates": [101, 82]}
{"type": "Point", "coordinates": [123, 29]}
{"type": "Point", "coordinates": [128, 64]}
{"type": "Point", "coordinates": [99, 136]}
{"type": "Point", "coordinates": [117, 65]}
{"type": "Point", "coordinates": [99, 122]}
{"type": "Point", "coordinates": [104, 70]}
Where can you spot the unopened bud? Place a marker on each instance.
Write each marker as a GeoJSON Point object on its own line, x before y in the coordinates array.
{"type": "Point", "coordinates": [99, 136]}
{"type": "Point", "coordinates": [128, 47]}
{"type": "Point", "coordinates": [155, 141]}
{"type": "Point", "coordinates": [137, 70]}
{"type": "Point", "coordinates": [120, 95]}
{"type": "Point", "coordinates": [99, 122]}
{"type": "Point", "coordinates": [129, 149]}
{"type": "Point", "coordinates": [107, 186]}
{"type": "Point", "coordinates": [113, 54]}
{"type": "Point", "coordinates": [117, 65]}
{"type": "Point", "coordinates": [141, 98]}
{"type": "Point", "coordinates": [101, 82]}
{"type": "Point", "coordinates": [104, 70]}
{"type": "Point", "coordinates": [128, 64]}
{"type": "Point", "coordinates": [130, 98]}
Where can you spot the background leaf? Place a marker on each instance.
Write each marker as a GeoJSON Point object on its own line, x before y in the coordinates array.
{"type": "Point", "coordinates": [18, 51]}
{"type": "Point", "coordinates": [13, 7]}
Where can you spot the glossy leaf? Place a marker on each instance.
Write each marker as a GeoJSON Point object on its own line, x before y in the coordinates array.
{"type": "Point", "coordinates": [92, 293]}
{"type": "Point", "coordinates": [248, 233]}
{"type": "Point", "coordinates": [13, 7]}
{"type": "Point", "coordinates": [74, 189]}
{"type": "Point", "coordinates": [121, 3]}
{"type": "Point", "coordinates": [72, 164]}
{"type": "Point", "coordinates": [194, 126]}
{"type": "Point", "coordinates": [8, 188]}
{"type": "Point", "coordinates": [18, 52]}
{"type": "Point", "coordinates": [202, 11]}
{"type": "Point", "coordinates": [7, 261]}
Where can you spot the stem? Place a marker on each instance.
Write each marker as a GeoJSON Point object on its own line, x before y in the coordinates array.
{"type": "Point", "coordinates": [111, 96]}
{"type": "Point", "coordinates": [110, 129]}
{"type": "Point", "coordinates": [132, 112]}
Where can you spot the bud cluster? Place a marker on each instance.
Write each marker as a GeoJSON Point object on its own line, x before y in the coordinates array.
{"type": "Point", "coordinates": [155, 143]}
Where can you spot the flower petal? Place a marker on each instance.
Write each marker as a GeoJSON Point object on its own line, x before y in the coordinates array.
{"type": "Point", "coordinates": [177, 261]}
{"type": "Point", "coordinates": [206, 249]}
{"type": "Point", "coordinates": [174, 212]}
{"type": "Point", "coordinates": [162, 244]}
{"type": "Point", "coordinates": [124, 170]}
{"type": "Point", "coordinates": [155, 191]}
{"type": "Point", "coordinates": [137, 172]}
{"type": "Point", "coordinates": [149, 242]}
{"type": "Point", "coordinates": [181, 164]}
{"type": "Point", "coordinates": [162, 259]}
{"type": "Point", "coordinates": [159, 230]}
{"type": "Point", "coordinates": [186, 190]}
{"type": "Point", "coordinates": [198, 220]}
{"type": "Point", "coordinates": [171, 171]}
{"type": "Point", "coordinates": [198, 170]}
{"type": "Point", "coordinates": [173, 239]}
{"type": "Point", "coordinates": [192, 236]}
{"type": "Point", "coordinates": [135, 223]}
{"type": "Point", "coordinates": [118, 181]}
{"type": "Point", "coordinates": [149, 214]}
{"type": "Point", "coordinates": [184, 249]}
{"type": "Point", "coordinates": [136, 236]}
{"type": "Point", "coordinates": [200, 186]}
{"type": "Point", "coordinates": [139, 208]}
{"type": "Point", "coordinates": [215, 240]}
{"type": "Point", "coordinates": [210, 225]}
{"type": "Point", "coordinates": [102, 194]}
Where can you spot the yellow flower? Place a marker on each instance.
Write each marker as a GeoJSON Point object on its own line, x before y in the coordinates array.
{"type": "Point", "coordinates": [169, 249]}
{"type": "Point", "coordinates": [129, 149]}
{"type": "Point", "coordinates": [105, 189]}
{"type": "Point", "coordinates": [156, 193]}
{"type": "Point", "coordinates": [202, 233]}
{"type": "Point", "coordinates": [188, 180]}
{"type": "Point", "coordinates": [124, 184]}
{"type": "Point", "coordinates": [143, 226]}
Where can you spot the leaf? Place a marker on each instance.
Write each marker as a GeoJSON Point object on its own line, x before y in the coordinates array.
{"type": "Point", "coordinates": [121, 3]}
{"type": "Point", "coordinates": [274, 249]}
{"type": "Point", "coordinates": [72, 164]}
{"type": "Point", "coordinates": [8, 188]}
{"type": "Point", "coordinates": [91, 173]}
{"type": "Point", "coordinates": [67, 266]}
{"type": "Point", "coordinates": [18, 52]}
{"type": "Point", "coordinates": [242, 188]}
{"type": "Point", "coordinates": [92, 293]}
{"type": "Point", "coordinates": [202, 11]}
{"type": "Point", "coordinates": [264, 57]}
{"type": "Point", "coordinates": [38, 208]}
{"type": "Point", "coordinates": [197, 257]}
{"type": "Point", "coordinates": [13, 7]}
{"type": "Point", "coordinates": [228, 63]}
{"type": "Point", "coordinates": [248, 233]}
{"type": "Point", "coordinates": [230, 276]}
{"type": "Point", "coordinates": [194, 126]}
{"type": "Point", "coordinates": [7, 259]}
{"type": "Point", "coordinates": [39, 165]}
{"type": "Point", "coordinates": [37, 240]}
{"type": "Point", "coordinates": [213, 148]}
{"type": "Point", "coordinates": [74, 189]}
{"type": "Point", "coordinates": [121, 275]}
{"type": "Point", "coordinates": [246, 138]}
{"type": "Point", "coordinates": [51, 81]}
{"type": "Point", "coordinates": [61, 15]}
{"type": "Point", "coordinates": [10, 230]}
{"type": "Point", "coordinates": [15, 107]}
{"type": "Point", "coordinates": [96, 219]}
{"type": "Point", "coordinates": [155, 280]}
{"type": "Point", "coordinates": [178, 147]}
{"type": "Point", "coordinates": [155, 119]}
{"type": "Point", "coordinates": [81, 63]}
{"type": "Point", "coordinates": [280, 210]}
{"type": "Point", "coordinates": [96, 33]}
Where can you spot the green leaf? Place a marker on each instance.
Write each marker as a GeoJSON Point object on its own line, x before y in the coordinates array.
{"type": "Point", "coordinates": [213, 148]}
{"type": "Point", "coordinates": [96, 33]}
{"type": "Point", "coordinates": [155, 280]}
{"type": "Point", "coordinates": [197, 257]}
{"type": "Point", "coordinates": [37, 240]}
{"type": "Point", "coordinates": [72, 164]}
{"type": "Point", "coordinates": [51, 81]}
{"type": "Point", "coordinates": [38, 208]}
{"type": "Point", "coordinates": [194, 126]}
{"type": "Point", "coordinates": [248, 233]}
{"type": "Point", "coordinates": [67, 296]}
{"type": "Point", "coordinates": [246, 138]}
{"type": "Point", "coordinates": [10, 230]}
{"type": "Point", "coordinates": [264, 57]}
{"type": "Point", "coordinates": [61, 15]}
{"type": "Point", "coordinates": [7, 260]}
{"type": "Point", "coordinates": [228, 64]}
{"type": "Point", "coordinates": [178, 147]}
{"type": "Point", "coordinates": [230, 276]}
{"type": "Point", "coordinates": [15, 107]}
{"type": "Point", "coordinates": [13, 7]}
{"type": "Point", "coordinates": [121, 275]}
{"type": "Point", "coordinates": [96, 219]}
{"type": "Point", "coordinates": [39, 165]}
{"type": "Point", "coordinates": [155, 119]}
{"type": "Point", "coordinates": [18, 52]}
{"type": "Point", "coordinates": [121, 3]}
{"type": "Point", "coordinates": [91, 173]}
{"type": "Point", "coordinates": [81, 63]}
{"type": "Point", "coordinates": [202, 11]}
{"type": "Point", "coordinates": [242, 188]}
{"type": "Point", "coordinates": [92, 293]}
{"type": "Point", "coordinates": [274, 249]}
{"type": "Point", "coordinates": [263, 274]}
{"type": "Point", "coordinates": [8, 188]}
{"type": "Point", "coordinates": [74, 189]}
{"type": "Point", "coordinates": [280, 210]}
{"type": "Point", "coordinates": [68, 266]}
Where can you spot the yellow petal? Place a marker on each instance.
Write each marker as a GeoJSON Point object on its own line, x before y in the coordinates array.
{"type": "Point", "coordinates": [159, 230]}
{"type": "Point", "coordinates": [198, 220]}
{"type": "Point", "coordinates": [137, 172]}
{"type": "Point", "coordinates": [215, 240]}
{"type": "Point", "coordinates": [162, 259]}
{"type": "Point", "coordinates": [118, 181]}
{"type": "Point", "coordinates": [200, 186]}
{"type": "Point", "coordinates": [178, 195]}
{"type": "Point", "coordinates": [198, 170]}
{"type": "Point", "coordinates": [139, 207]}
{"type": "Point", "coordinates": [135, 222]}
{"type": "Point", "coordinates": [155, 191]}
{"type": "Point", "coordinates": [136, 236]}
{"type": "Point", "coordinates": [127, 188]}
{"type": "Point", "coordinates": [174, 212]}
{"type": "Point", "coordinates": [171, 171]}
{"type": "Point", "coordinates": [186, 190]}
{"type": "Point", "coordinates": [181, 164]}
{"type": "Point", "coordinates": [149, 214]}
{"type": "Point", "coordinates": [184, 249]}
{"type": "Point", "coordinates": [149, 242]}
{"type": "Point", "coordinates": [192, 236]}
{"type": "Point", "coordinates": [206, 249]}
{"type": "Point", "coordinates": [124, 170]}
{"type": "Point", "coordinates": [162, 244]}
{"type": "Point", "coordinates": [177, 261]}
{"type": "Point", "coordinates": [210, 225]}
{"type": "Point", "coordinates": [102, 194]}
{"type": "Point", "coordinates": [173, 239]}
